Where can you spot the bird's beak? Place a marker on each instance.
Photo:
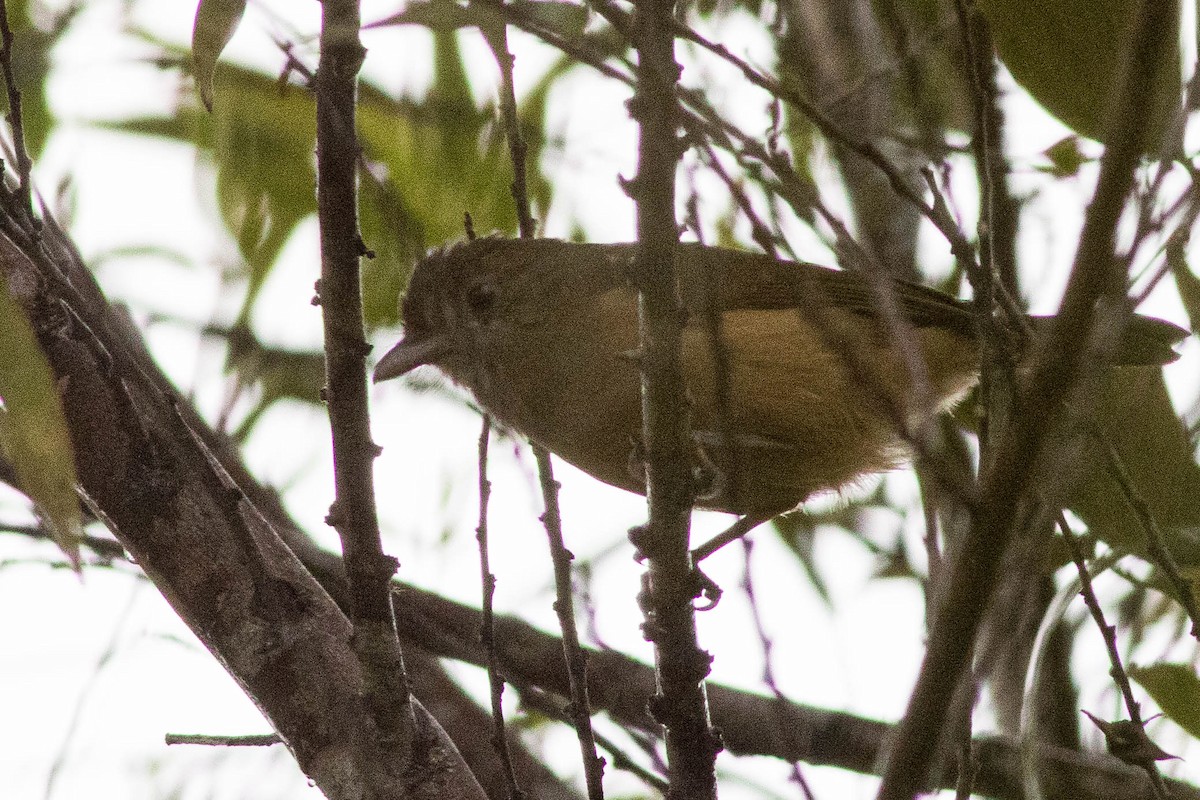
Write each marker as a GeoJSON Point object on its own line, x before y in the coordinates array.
{"type": "Point", "coordinates": [407, 355]}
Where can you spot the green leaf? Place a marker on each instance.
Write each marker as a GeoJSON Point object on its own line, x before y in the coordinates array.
{"type": "Point", "coordinates": [1065, 157]}
{"type": "Point", "coordinates": [428, 161]}
{"type": "Point", "coordinates": [216, 21]}
{"type": "Point", "coordinates": [277, 373]}
{"type": "Point", "coordinates": [798, 531]}
{"type": "Point", "coordinates": [1068, 54]}
{"type": "Point", "coordinates": [568, 19]}
{"type": "Point", "coordinates": [261, 141]}
{"type": "Point", "coordinates": [425, 163]}
{"type": "Point", "coordinates": [1185, 280]}
{"type": "Point", "coordinates": [1137, 416]}
{"type": "Point", "coordinates": [33, 430]}
{"type": "Point", "coordinates": [928, 83]}
{"type": "Point", "coordinates": [31, 67]}
{"type": "Point", "coordinates": [1176, 690]}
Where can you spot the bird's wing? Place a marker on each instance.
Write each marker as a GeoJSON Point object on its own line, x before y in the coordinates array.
{"type": "Point", "coordinates": [740, 280]}
{"type": "Point", "coordinates": [744, 280]}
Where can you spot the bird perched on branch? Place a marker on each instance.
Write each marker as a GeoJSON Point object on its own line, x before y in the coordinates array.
{"type": "Point", "coordinates": [817, 371]}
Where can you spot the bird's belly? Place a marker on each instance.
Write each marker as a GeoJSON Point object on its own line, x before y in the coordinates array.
{"type": "Point", "coordinates": [813, 409]}
{"type": "Point", "coordinates": [798, 419]}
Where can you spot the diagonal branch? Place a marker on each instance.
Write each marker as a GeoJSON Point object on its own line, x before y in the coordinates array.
{"type": "Point", "coordinates": [1064, 368]}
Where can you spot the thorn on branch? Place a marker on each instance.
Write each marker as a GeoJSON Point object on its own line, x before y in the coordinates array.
{"type": "Point", "coordinates": [1127, 740]}
{"type": "Point", "coordinates": [630, 186]}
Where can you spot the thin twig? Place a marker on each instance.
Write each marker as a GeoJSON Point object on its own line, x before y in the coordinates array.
{"type": "Point", "coordinates": [541, 701]}
{"type": "Point", "coordinates": [1059, 371]}
{"type": "Point", "coordinates": [384, 746]}
{"type": "Point", "coordinates": [217, 740]}
{"type": "Point", "coordinates": [95, 675]}
{"type": "Point", "coordinates": [700, 121]}
{"type": "Point", "coordinates": [487, 628]}
{"type": "Point", "coordinates": [497, 39]}
{"type": "Point", "coordinates": [573, 655]}
{"type": "Point", "coordinates": [105, 549]}
{"type": "Point", "coordinates": [1156, 543]}
{"type": "Point", "coordinates": [985, 148]}
{"type": "Point", "coordinates": [1188, 207]}
{"type": "Point", "coordinates": [1109, 633]}
{"type": "Point", "coordinates": [830, 129]}
{"type": "Point", "coordinates": [579, 709]}
{"type": "Point", "coordinates": [769, 240]}
{"type": "Point", "coordinates": [767, 646]}
{"type": "Point", "coordinates": [16, 122]}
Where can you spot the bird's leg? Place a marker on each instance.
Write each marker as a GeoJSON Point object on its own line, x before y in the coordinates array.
{"type": "Point", "coordinates": [737, 530]}
{"type": "Point", "coordinates": [710, 483]}
{"type": "Point", "coordinates": [708, 587]}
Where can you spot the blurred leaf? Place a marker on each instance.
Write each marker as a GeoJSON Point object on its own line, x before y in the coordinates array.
{"type": "Point", "coordinates": [1068, 54]}
{"type": "Point", "coordinates": [1137, 416]}
{"type": "Point", "coordinates": [428, 162]}
{"type": "Point", "coordinates": [798, 531]}
{"type": "Point", "coordinates": [31, 67]}
{"type": "Point", "coordinates": [901, 86]}
{"type": "Point", "coordinates": [277, 373]}
{"type": "Point", "coordinates": [425, 163]}
{"type": "Point", "coordinates": [1186, 281]}
{"type": "Point", "coordinates": [1176, 690]}
{"type": "Point", "coordinates": [261, 141]}
{"type": "Point", "coordinates": [437, 15]}
{"type": "Point", "coordinates": [124, 255]}
{"type": "Point", "coordinates": [929, 84]}
{"type": "Point", "coordinates": [1065, 157]}
{"type": "Point", "coordinates": [216, 21]}
{"type": "Point", "coordinates": [33, 431]}
{"type": "Point", "coordinates": [568, 19]}
{"type": "Point", "coordinates": [443, 16]}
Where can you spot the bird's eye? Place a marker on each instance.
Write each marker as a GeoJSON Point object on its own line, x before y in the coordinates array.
{"type": "Point", "coordinates": [481, 298]}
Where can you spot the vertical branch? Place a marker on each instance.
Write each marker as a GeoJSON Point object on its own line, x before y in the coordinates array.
{"type": "Point", "coordinates": [1060, 371]}
{"type": "Point", "coordinates": [670, 584]}
{"type": "Point", "coordinates": [16, 122]}
{"type": "Point", "coordinates": [767, 648]}
{"type": "Point", "coordinates": [497, 38]}
{"type": "Point", "coordinates": [487, 625]}
{"type": "Point", "coordinates": [984, 149]}
{"type": "Point", "coordinates": [1003, 209]}
{"type": "Point", "coordinates": [383, 748]}
{"type": "Point", "coordinates": [580, 707]}
{"type": "Point", "coordinates": [997, 219]}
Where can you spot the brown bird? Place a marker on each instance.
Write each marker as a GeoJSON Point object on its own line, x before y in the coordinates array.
{"type": "Point", "coordinates": [544, 334]}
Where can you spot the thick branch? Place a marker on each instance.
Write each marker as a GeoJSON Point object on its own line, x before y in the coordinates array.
{"type": "Point", "coordinates": [147, 474]}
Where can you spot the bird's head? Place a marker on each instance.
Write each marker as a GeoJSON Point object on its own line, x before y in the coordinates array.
{"type": "Point", "coordinates": [451, 312]}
